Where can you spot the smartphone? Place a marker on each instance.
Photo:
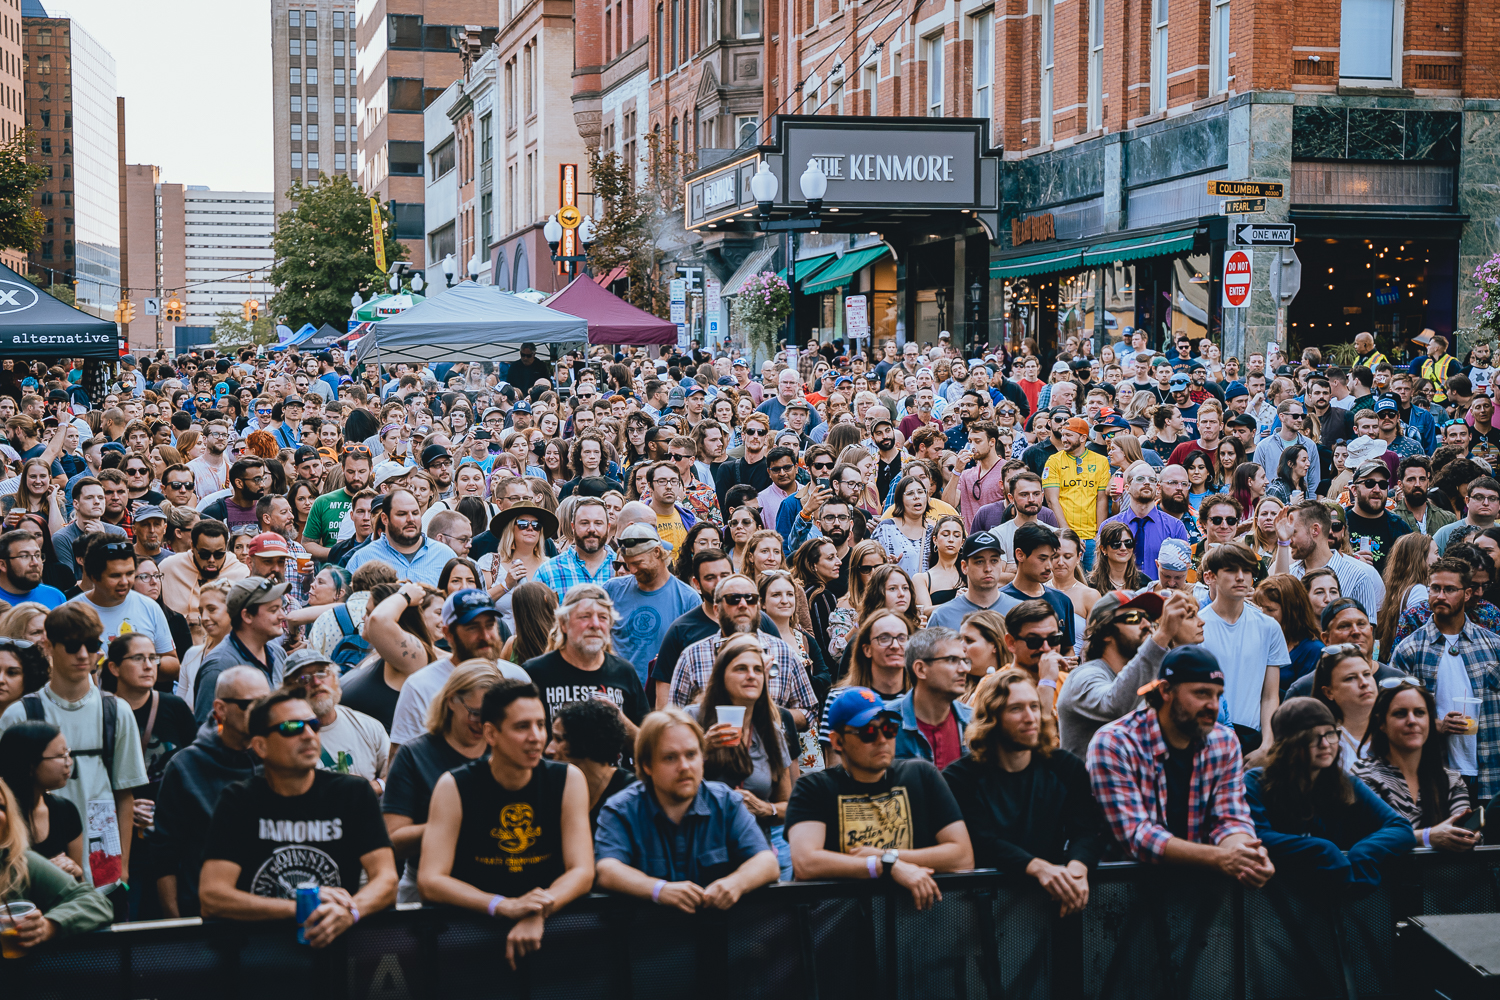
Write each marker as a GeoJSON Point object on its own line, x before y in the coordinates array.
{"type": "Point", "coordinates": [824, 484]}
{"type": "Point", "coordinates": [1474, 820]}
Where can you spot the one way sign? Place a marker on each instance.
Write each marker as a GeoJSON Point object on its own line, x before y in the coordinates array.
{"type": "Point", "coordinates": [1256, 234]}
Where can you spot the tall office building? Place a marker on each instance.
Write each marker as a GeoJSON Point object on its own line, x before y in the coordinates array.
{"type": "Point", "coordinates": [408, 55]}
{"type": "Point", "coordinates": [12, 99]}
{"type": "Point", "coordinates": [312, 90]}
{"type": "Point", "coordinates": [70, 103]}
{"type": "Point", "coordinates": [227, 250]}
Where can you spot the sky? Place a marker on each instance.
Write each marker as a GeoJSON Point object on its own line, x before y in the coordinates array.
{"type": "Point", "coordinates": [196, 78]}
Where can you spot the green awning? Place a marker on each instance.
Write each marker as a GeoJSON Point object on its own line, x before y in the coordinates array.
{"type": "Point", "coordinates": [837, 275]}
{"type": "Point", "coordinates": [1155, 245]}
{"type": "Point", "coordinates": [809, 266]}
{"type": "Point", "coordinates": [1046, 262]}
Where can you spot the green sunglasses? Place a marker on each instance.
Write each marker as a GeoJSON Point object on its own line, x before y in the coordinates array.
{"type": "Point", "coordinates": [294, 727]}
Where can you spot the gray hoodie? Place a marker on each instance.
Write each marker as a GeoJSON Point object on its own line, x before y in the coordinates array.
{"type": "Point", "coordinates": [1094, 695]}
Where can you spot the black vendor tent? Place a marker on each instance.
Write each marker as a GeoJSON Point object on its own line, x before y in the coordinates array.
{"type": "Point", "coordinates": [35, 325]}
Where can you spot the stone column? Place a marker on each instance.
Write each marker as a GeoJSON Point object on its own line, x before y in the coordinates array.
{"type": "Point", "coordinates": [1479, 198]}
{"type": "Point", "coordinates": [1260, 149]}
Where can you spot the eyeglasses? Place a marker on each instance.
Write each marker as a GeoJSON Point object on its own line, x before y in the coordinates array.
{"type": "Point", "coordinates": [148, 576]}
{"type": "Point", "coordinates": [837, 519]}
{"type": "Point", "coordinates": [1126, 544]}
{"type": "Point", "coordinates": [1395, 682]}
{"type": "Point", "coordinates": [1036, 642]}
{"type": "Point", "coordinates": [206, 554]}
{"type": "Point", "coordinates": [884, 729]}
{"type": "Point", "coordinates": [150, 658]}
{"type": "Point", "coordinates": [889, 639]}
{"type": "Point", "coordinates": [735, 600]}
{"type": "Point", "coordinates": [1327, 739]}
{"type": "Point", "coordinates": [65, 755]}
{"type": "Point", "coordinates": [1221, 519]}
{"type": "Point", "coordinates": [295, 727]}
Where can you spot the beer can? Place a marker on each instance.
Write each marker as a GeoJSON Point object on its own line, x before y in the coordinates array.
{"type": "Point", "coordinates": [308, 899]}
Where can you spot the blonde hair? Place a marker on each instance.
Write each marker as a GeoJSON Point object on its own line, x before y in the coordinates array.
{"type": "Point", "coordinates": [653, 728]}
{"type": "Point", "coordinates": [14, 621]}
{"type": "Point", "coordinates": [470, 675]}
{"type": "Point", "coordinates": [14, 843]}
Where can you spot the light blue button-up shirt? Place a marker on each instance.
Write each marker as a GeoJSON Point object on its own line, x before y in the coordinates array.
{"type": "Point", "coordinates": [423, 566]}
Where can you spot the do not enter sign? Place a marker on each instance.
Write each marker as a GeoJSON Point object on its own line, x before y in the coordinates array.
{"type": "Point", "coordinates": [1236, 278]}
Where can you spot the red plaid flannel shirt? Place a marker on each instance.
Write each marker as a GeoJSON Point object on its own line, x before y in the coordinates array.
{"type": "Point", "coordinates": [1127, 770]}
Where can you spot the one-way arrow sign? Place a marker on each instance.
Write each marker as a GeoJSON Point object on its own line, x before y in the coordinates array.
{"type": "Point", "coordinates": [1255, 234]}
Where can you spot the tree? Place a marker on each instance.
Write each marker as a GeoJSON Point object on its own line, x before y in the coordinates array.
{"type": "Point", "coordinates": [21, 224]}
{"type": "Point", "coordinates": [638, 221]}
{"type": "Point", "coordinates": [325, 252]}
{"type": "Point", "coordinates": [231, 332]}
{"type": "Point", "coordinates": [62, 291]}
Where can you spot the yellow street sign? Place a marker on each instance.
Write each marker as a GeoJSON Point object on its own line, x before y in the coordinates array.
{"type": "Point", "coordinates": [1246, 189]}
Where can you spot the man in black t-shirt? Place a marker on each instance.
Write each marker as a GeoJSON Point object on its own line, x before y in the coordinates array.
{"type": "Point", "coordinates": [293, 824]}
{"type": "Point", "coordinates": [509, 836]}
{"type": "Point", "coordinates": [873, 815]}
{"type": "Point", "coordinates": [583, 667]}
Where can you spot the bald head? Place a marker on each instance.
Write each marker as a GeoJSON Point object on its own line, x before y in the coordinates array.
{"type": "Point", "coordinates": [634, 512]}
{"type": "Point", "coordinates": [241, 682]}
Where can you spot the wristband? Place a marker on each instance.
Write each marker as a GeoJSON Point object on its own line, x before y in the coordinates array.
{"type": "Point", "coordinates": [354, 912]}
{"type": "Point", "coordinates": [1427, 837]}
{"type": "Point", "coordinates": [1048, 683]}
{"type": "Point", "coordinates": [1283, 544]}
{"type": "Point", "coordinates": [656, 889]}
{"type": "Point", "coordinates": [873, 864]}
{"type": "Point", "coordinates": [495, 902]}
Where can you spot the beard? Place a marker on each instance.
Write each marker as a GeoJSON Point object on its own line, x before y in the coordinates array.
{"type": "Point", "coordinates": [838, 536]}
{"type": "Point", "coordinates": [1173, 506]}
{"type": "Point", "coordinates": [1009, 742]}
{"type": "Point", "coordinates": [1201, 723]}
{"type": "Point", "coordinates": [590, 643]}
{"type": "Point", "coordinates": [408, 535]}
{"type": "Point", "coordinates": [213, 447]}
{"type": "Point", "coordinates": [462, 651]}
{"type": "Point", "coordinates": [1415, 498]}
{"type": "Point", "coordinates": [1127, 646]}
{"type": "Point", "coordinates": [590, 543]}
{"type": "Point", "coordinates": [321, 704]}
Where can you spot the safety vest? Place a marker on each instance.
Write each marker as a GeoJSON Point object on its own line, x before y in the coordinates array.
{"type": "Point", "coordinates": [1436, 372]}
{"type": "Point", "coordinates": [1370, 360]}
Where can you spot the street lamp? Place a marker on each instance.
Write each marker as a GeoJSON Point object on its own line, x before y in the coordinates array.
{"type": "Point", "coordinates": [474, 265]}
{"type": "Point", "coordinates": [976, 297]}
{"type": "Point", "coordinates": [417, 283]}
{"type": "Point", "coordinates": [356, 300]}
{"type": "Point", "coordinates": [814, 184]}
{"type": "Point", "coordinates": [449, 269]}
{"type": "Point", "coordinates": [553, 232]}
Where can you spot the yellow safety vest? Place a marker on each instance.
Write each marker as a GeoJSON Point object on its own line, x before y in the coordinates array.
{"type": "Point", "coordinates": [1437, 374]}
{"type": "Point", "coordinates": [1370, 360]}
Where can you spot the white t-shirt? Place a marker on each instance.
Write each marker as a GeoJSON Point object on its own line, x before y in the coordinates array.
{"type": "Point", "coordinates": [1453, 682]}
{"type": "Point", "coordinates": [1246, 650]}
{"type": "Point", "coordinates": [187, 674]}
{"type": "Point", "coordinates": [136, 613]}
{"type": "Point", "coordinates": [410, 718]}
{"type": "Point", "coordinates": [362, 738]}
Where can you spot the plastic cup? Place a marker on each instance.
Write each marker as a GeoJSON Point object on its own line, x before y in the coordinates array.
{"type": "Point", "coordinates": [734, 716]}
{"type": "Point", "coordinates": [11, 915]}
{"type": "Point", "coordinates": [1470, 707]}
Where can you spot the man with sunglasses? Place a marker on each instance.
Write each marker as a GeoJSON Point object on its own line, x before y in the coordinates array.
{"type": "Point", "coordinates": [873, 815]}
{"type": "Point", "coordinates": [191, 785]}
{"type": "Point", "coordinates": [739, 612]}
{"type": "Point", "coordinates": [295, 823]}
{"type": "Point", "coordinates": [1128, 635]}
{"type": "Point", "coordinates": [103, 776]}
{"type": "Point", "coordinates": [256, 619]}
{"type": "Point", "coordinates": [1373, 530]}
{"type": "Point", "coordinates": [1149, 525]}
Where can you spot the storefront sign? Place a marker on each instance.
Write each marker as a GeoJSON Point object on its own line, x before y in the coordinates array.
{"type": "Point", "coordinates": [914, 166]}
{"type": "Point", "coordinates": [1032, 230]}
{"type": "Point", "coordinates": [712, 305]}
{"type": "Point", "coordinates": [721, 194]}
{"type": "Point", "coordinates": [857, 316]}
{"type": "Point", "coordinates": [1237, 275]}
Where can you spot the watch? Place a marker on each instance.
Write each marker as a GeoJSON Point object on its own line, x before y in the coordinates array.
{"type": "Point", "coordinates": [889, 858]}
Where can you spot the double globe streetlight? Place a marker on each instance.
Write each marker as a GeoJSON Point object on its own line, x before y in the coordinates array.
{"type": "Point", "coordinates": [764, 186]}
{"type": "Point", "coordinates": [553, 232]}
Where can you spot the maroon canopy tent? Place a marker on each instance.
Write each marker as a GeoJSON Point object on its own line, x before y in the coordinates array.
{"type": "Point", "coordinates": [611, 319]}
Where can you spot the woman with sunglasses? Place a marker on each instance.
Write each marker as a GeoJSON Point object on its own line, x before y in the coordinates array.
{"type": "Point", "coordinates": [1283, 598]}
{"type": "Point", "coordinates": [35, 762]}
{"type": "Point", "coordinates": [1405, 764]}
{"type": "Point", "coordinates": [1117, 570]}
{"type": "Point", "coordinates": [1345, 681]}
{"type": "Point", "coordinates": [522, 531]}
{"type": "Point", "coordinates": [864, 559]}
{"type": "Point", "coordinates": [1312, 819]}
{"type": "Point", "coordinates": [454, 736]}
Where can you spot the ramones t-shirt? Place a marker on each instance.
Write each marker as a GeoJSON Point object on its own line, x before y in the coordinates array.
{"type": "Point", "coordinates": [905, 809]}
{"type": "Point", "coordinates": [280, 841]}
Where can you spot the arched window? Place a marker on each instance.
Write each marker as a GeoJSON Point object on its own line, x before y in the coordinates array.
{"type": "Point", "coordinates": [521, 279]}
{"type": "Point", "coordinates": [500, 271]}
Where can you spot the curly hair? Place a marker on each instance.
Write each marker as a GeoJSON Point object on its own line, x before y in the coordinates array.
{"type": "Point", "coordinates": [262, 444]}
{"type": "Point", "coordinates": [984, 732]}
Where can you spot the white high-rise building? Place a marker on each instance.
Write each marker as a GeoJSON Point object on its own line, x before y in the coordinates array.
{"type": "Point", "coordinates": [227, 244]}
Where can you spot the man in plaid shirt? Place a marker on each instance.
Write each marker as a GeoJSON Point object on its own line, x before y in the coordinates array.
{"type": "Point", "coordinates": [1455, 658]}
{"type": "Point", "coordinates": [588, 559]}
{"type": "Point", "coordinates": [1168, 776]}
{"type": "Point", "coordinates": [738, 603]}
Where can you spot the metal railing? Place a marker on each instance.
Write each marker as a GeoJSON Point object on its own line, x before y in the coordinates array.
{"type": "Point", "coordinates": [1148, 932]}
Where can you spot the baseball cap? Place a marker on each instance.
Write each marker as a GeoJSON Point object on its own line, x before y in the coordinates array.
{"type": "Point", "coordinates": [842, 380]}
{"type": "Point", "coordinates": [463, 606]}
{"type": "Point", "coordinates": [1175, 555]}
{"type": "Point", "coordinates": [1386, 405]}
{"type": "Point", "coordinates": [799, 403]}
{"type": "Point", "coordinates": [856, 706]}
{"type": "Point", "coordinates": [58, 396]}
{"type": "Point", "coordinates": [694, 389]}
{"type": "Point", "coordinates": [304, 453]}
{"type": "Point", "coordinates": [1179, 381]}
{"type": "Point", "coordinates": [1060, 368]}
{"type": "Point", "coordinates": [1113, 422]}
{"type": "Point", "coordinates": [1298, 715]}
{"type": "Point", "coordinates": [676, 398]}
{"type": "Point", "coordinates": [741, 363]}
{"type": "Point", "coordinates": [1115, 601]}
{"type": "Point", "coordinates": [303, 658]}
{"type": "Point", "coordinates": [872, 376]}
{"type": "Point", "coordinates": [642, 537]}
{"type": "Point", "coordinates": [1243, 420]}
{"type": "Point", "coordinates": [981, 541]}
{"type": "Point", "coordinates": [386, 471]}
{"type": "Point", "coordinates": [1190, 664]}
{"type": "Point", "coordinates": [523, 406]}
{"type": "Point", "coordinates": [432, 453]}
{"type": "Point", "coordinates": [1369, 467]}
{"type": "Point", "coordinates": [252, 592]}
{"type": "Point", "coordinates": [291, 401]}
{"type": "Point", "coordinates": [1159, 360]}
{"type": "Point", "coordinates": [1077, 425]}
{"type": "Point", "coordinates": [149, 512]}
{"type": "Point", "coordinates": [269, 545]}
{"type": "Point", "coordinates": [1080, 364]}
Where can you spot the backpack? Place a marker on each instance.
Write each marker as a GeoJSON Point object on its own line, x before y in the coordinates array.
{"type": "Point", "coordinates": [36, 713]}
{"type": "Point", "coordinates": [352, 648]}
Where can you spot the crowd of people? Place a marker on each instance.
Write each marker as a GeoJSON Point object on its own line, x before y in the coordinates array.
{"type": "Point", "coordinates": [496, 636]}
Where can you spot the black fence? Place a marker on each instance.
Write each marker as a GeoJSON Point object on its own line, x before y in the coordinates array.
{"type": "Point", "coordinates": [1148, 932]}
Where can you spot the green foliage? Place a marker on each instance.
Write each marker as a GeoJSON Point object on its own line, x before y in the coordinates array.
{"type": "Point", "coordinates": [231, 332]}
{"type": "Point", "coordinates": [636, 220]}
{"type": "Point", "coordinates": [21, 224]}
{"type": "Point", "coordinates": [62, 291]}
{"type": "Point", "coordinates": [325, 252]}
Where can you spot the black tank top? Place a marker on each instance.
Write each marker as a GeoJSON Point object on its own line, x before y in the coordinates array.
{"type": "Point", "coordinates": [510, 842]}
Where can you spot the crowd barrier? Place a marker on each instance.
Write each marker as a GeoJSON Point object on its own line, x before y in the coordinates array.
{"type": "Point", "coordinates": [1148, 932]}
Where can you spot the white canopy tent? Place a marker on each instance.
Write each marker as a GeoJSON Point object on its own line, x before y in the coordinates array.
{"type": "Point", "coordinates": [468, 322]}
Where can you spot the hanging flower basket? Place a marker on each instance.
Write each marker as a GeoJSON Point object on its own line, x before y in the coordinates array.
{"type": "Point", "coordinates": [763, 304]}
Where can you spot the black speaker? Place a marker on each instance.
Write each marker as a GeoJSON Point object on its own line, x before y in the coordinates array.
{"type": "Point", "coordinates": [1453, 956]}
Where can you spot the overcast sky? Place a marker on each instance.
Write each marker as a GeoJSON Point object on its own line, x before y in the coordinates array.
{"type": "Point", "coordinates": [196, 78]}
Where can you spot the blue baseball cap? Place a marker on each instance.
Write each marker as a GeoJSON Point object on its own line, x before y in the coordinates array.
{"type": "Point", "coordinates": [1179, 381]}
{"type": "Point", "coordinates": [856, 706]}
{"type": "Point", "coordinates": [463, 606]}
{"type": "Point", "coordinates": [1386, 405]}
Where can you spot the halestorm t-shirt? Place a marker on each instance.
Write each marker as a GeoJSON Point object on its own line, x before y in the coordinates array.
{"type": "Point", "coordinates": [905, 809]}
{"type": "Point", "coordinates": [560, 683]}
{"type": "Point", "coordinates": [281, 841]}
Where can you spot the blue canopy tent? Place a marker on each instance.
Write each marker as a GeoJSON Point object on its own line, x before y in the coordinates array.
{"type": "Point", "coordinates": [468, 322]}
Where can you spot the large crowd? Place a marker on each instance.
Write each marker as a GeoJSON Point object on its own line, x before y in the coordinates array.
{"type": "Point", "coordinates": [283, 633]}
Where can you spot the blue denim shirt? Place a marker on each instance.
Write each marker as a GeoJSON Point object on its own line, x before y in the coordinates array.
{"type": "Point", "coordinates": [717, 834]}
{"type": "Point", "coordinates": [424, 565]}
{"type": "Point", "coordinates": [910, 742]}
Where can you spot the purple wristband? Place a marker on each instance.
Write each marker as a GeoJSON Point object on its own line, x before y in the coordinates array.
{"type": "Point", "coordinates": [656, 889]}
{"type": "Point", "coordinates": [1427, 837]}
{"type": "Point", "coordinates": [495, 902]}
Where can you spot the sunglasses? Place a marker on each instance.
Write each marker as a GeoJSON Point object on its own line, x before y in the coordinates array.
{"type": "Point", "coordinates": [211, 553]}
{"type": "Point", "coordinates": [1036, 642]}
{"type": "Point", "coordinates": [92, 645]}
{"type": "Point", "coordinates": [1395, 682]}
{"type": "Point", "coordinates": [735, 600]}
{"type": "Point", "coordinates": [294, 727]}
{"type": "Point", "coordinates": [680, 458]}
{"type": "Point", "coordinates": [822, 466]}
{"type": "Point", "coordinates": [1220, 519]}
{"type": "Point", "coordinates": [243, 704]}
{"type": "Point", "coordinates": [884, 729]}
{"type": "Point", "coordinates": [527, 524]}
{"type": "Point", "coordinates": [1125, 544]}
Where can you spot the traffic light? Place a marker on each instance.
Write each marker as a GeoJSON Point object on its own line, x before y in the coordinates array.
{"type": "Point", "coordinates": [251, 310]}
{"type": "Point", "coordinates": [124, 311]}
{"type": "Point", "coordinates": [173, 311]}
